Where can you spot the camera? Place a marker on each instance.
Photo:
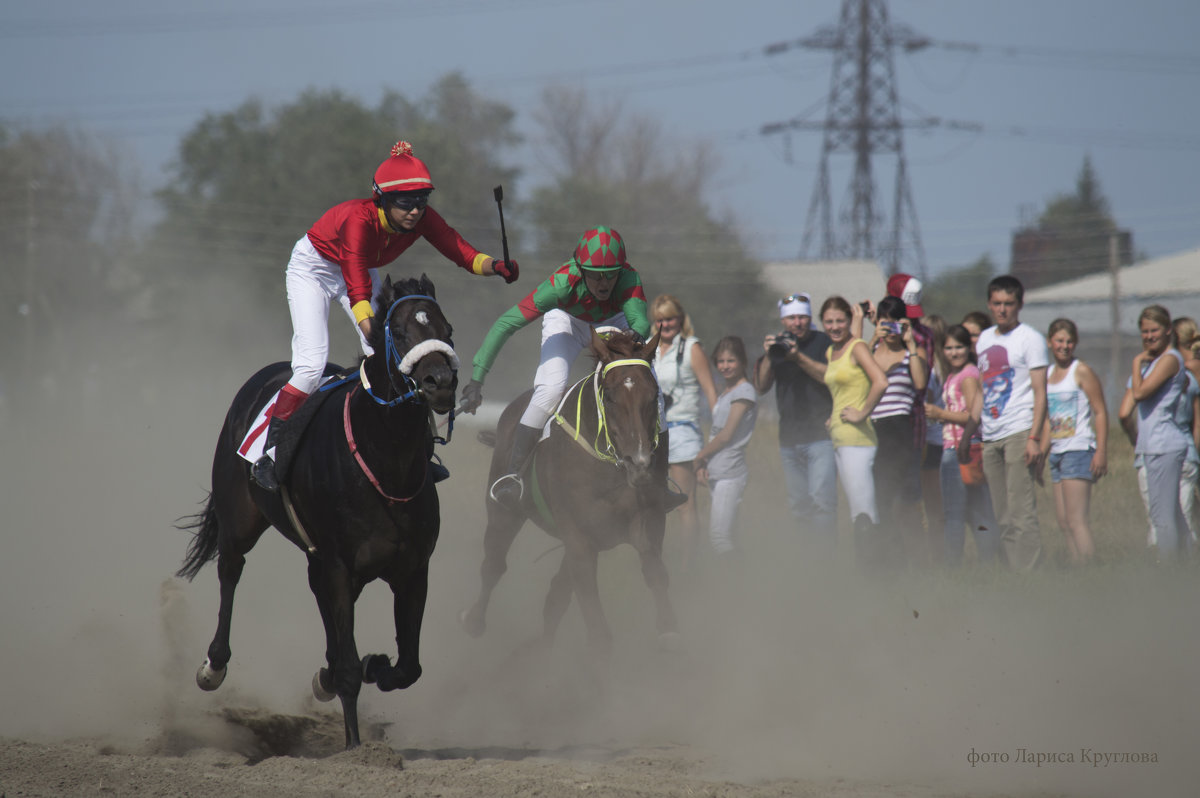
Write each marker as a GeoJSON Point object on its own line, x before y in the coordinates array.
{"type": "Point", "coordinates": [892, 327]}
{"type": "Point", "coordinates": [784, 341]}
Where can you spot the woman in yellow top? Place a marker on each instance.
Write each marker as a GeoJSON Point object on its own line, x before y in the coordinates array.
{"type": "Point", "coordinates": [855, 382]}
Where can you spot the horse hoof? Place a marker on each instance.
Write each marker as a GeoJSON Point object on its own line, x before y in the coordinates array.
{"type": "Point", "coordinates": [470, 624]}
{"type": "Point", "coordinates": [669, 641]}
{"type": "Point", "coordinates": [319, 691]}
{"type": "Point", "coordinates": [208, 678]}
{"type": "Point", "coordinates": [373, 666]}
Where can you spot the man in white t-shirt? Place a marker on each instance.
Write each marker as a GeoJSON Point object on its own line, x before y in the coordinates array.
{"type": "Point", "coordinates": [1012, 362]}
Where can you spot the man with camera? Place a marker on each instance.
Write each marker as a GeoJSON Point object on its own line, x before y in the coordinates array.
{"type": "Point", "coordinates": [794, 362]}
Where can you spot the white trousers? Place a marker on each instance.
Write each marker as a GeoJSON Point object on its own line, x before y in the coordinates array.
{"type": "Point", "coordinates": [563, 338]}
{"type": "Point", "coordinates": [1187, 498]}
{"type": "Point", "coordinates": [722, 515]}
{"type": "Point", "coordinates": [856, 473]}
{"type": "Point", "coordinates": [312, 283]}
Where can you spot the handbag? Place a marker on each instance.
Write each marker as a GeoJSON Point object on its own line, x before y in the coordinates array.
{"type": "Point", "coordinates": [972, 470]}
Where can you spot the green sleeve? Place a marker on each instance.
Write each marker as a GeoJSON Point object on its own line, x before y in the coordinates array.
{"type": "Point", "coordinates": [546, 296]}
{"type": "Point", "coordinates": [634, 308]}
{"type": "Point", "coordinates": [509, 322]}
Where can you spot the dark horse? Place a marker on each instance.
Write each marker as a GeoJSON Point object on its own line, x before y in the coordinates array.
{"type": "Point", "coordinates": [359, 497]}
{"type": "Point", "coordinates": [597, 481]}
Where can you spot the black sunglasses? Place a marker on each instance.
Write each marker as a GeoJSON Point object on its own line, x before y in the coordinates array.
{"type": "Point", "coordinates": [790, 298]}
{"type": "Point", "coordinates": [406, 202]}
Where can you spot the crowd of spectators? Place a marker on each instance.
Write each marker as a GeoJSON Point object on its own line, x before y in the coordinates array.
{"type": "Point", "coordinates": [932, 428]}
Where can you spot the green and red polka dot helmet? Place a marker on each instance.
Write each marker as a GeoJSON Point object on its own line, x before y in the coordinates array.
{"type": "Point", "coordinates": [600, 250]}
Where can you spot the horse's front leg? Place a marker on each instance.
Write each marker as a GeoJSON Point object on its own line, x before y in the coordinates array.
{"type": "Point", "coordinates": [502, 528]}
{"type": "Point", "coordinates": [408, 607]}
{"type": "Point", "coordinates": [331, 584]}
{"type": "Point", "coordinates": [654, 572]}
{"type": "Point", "coordinates": [558, 599]}
{"type": "Point", "coordinates": [582, 560]}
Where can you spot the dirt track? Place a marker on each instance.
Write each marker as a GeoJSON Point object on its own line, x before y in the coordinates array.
{"type": "Point", "coordinates": [790, 680]}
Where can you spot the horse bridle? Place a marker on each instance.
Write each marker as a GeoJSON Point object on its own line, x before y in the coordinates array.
{"type": "Point", "coordinates": [609, 453]}
{"type": "Point", "coordinates": [409, 391]}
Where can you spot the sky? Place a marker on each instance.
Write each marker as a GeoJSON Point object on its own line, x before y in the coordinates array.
{"type": "Point", "coordinates": [1025, 88]}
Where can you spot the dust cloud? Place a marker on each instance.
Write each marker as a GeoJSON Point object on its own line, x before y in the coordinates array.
{"type": "Point", "coordinates": [788, 667]}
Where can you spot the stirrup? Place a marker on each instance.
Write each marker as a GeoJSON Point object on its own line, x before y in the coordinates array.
{"type": "Point", "coordinates": [437, 470]}
{"type": "Point", "coordinates": [263, 474]}
{"type": "Point", "coordinates": [509, 501]}
{"type": "Point", "coordinates": [673, 500]}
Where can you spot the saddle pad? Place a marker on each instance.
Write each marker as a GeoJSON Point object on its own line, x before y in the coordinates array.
{"type": "Point", "coordinates": [256, 437]}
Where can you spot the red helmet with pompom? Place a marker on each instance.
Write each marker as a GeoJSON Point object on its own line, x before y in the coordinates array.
{"type": "Point", "coordinates": [402, 172]}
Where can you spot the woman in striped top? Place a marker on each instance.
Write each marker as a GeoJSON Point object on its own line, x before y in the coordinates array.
{"type": "Point", "coordinates": [897, 482]}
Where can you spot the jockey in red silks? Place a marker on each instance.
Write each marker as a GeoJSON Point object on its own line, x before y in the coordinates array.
{"type": "Point", "coordinates": [338, 260]}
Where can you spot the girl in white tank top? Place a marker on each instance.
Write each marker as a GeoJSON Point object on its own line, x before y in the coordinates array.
{"type": "Point", "coordinates": [1076, 437]}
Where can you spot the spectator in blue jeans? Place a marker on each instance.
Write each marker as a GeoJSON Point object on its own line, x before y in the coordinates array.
{"type": "Point", "coordinates": [965, 496]}
{"type": "Point", "coordinates": [793, 361]}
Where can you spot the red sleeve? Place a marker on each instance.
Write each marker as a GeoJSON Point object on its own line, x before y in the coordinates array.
{"type": "Point", "coordinates": [446, 239]}
{"type": "Point", "coordinates": [356, 235]}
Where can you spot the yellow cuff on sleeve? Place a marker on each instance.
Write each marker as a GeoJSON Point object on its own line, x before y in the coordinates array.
{"type": "Point", "coordinates": [478, 264]}
{"type": "Point", "coordinates": [362, 310]}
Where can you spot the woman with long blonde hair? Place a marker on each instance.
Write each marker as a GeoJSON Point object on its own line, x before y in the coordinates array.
{"type": "Point", "coordinates": [1157, 388]}
{"type": "Point", "coordinates": [685, 379]}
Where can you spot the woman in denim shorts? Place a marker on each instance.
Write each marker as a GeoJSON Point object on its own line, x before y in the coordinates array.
{"type": "Point", "coordinates": [1076, 435]}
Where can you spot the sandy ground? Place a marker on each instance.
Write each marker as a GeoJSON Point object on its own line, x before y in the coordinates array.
{"type": "Point", "coordinates": [794, 677]}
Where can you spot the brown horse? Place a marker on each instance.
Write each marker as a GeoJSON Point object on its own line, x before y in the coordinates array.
{"type": "Point", "coordinates": [598, 480]}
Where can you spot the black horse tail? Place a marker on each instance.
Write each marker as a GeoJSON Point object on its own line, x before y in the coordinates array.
{"type": "Point", "coordinates": [204, 539]}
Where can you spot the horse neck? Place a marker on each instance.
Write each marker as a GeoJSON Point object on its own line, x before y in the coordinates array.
{"type": "Point", "coordinates": [580, 405]}
{"type": "Point", "coordinates": [385, 435]}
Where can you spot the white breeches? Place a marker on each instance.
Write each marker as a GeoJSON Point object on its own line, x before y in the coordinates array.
{"type": "Point", "coordinates": [563, 338]}
{"type": "Point", "coordinates": [312, 282]}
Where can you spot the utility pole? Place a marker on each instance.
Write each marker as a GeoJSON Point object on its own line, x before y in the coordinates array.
{"type": "Point", "coordinates": [27, 307]}
{"type": "Point", "coordinates": [1114, 310]}
{"type": "Point", "coordinates": [863, 120]}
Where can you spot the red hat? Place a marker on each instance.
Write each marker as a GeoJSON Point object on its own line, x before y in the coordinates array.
{"type": "Point", "coordinates": [402, 172]}
{"type": "Point", "coordinates": [907, 288]}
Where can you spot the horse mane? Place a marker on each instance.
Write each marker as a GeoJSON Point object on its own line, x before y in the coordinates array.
{"type": "Point", "coordinates": [623, 344]}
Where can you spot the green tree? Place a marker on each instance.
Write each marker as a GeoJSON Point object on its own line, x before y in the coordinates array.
{"type": "Point", "coordinates": [956, 292]}
{"type": "Point", "coordinates": [1071, 237]}
{"type": "Point", "coordinates": [612, 169]}
{"type": "Point", "coordinates": [67, 201]}
{"type": "Point", "coordinates": [248, 183]}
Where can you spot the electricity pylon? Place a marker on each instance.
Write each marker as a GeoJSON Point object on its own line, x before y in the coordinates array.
{"type": "Point", "coordinates": [863, 119]}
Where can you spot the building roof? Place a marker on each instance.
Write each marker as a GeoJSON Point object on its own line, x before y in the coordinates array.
{"type": "Point", "coordinates": [1170, 275]}
{"type": "Point", "coordinates": [855, 280]}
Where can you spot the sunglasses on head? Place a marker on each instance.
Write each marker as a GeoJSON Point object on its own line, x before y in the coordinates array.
{"type": "Point", "coordinates": [406, 202]}
{"type": "Point", "coordinates": [790, 298]}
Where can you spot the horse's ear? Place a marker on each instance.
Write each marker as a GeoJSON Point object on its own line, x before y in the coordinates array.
{"type": "Point", "coordinates": [600, 347]}
{"type": "Point", "coordinates": [650, 348]}
{"type": "Point", "coordinates": [427, 286]}
{"type": "Point", "coordinates": [384, 297]}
